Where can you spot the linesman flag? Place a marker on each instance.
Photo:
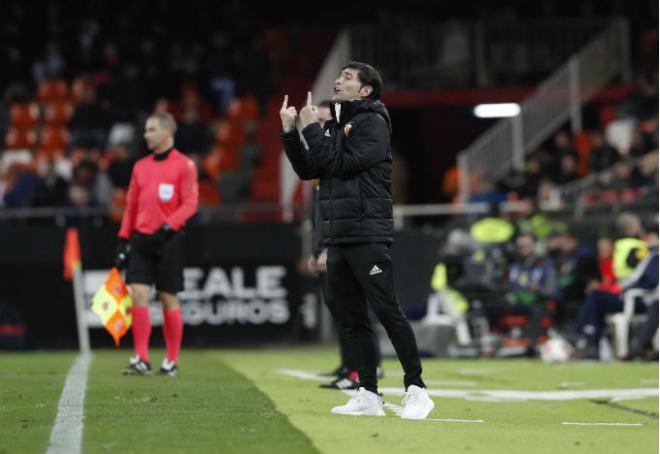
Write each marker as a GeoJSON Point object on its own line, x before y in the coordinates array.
{"type": "Point", "coordinates": [71, 253]}
{"type": "Point", "coordinates": [113, 304]}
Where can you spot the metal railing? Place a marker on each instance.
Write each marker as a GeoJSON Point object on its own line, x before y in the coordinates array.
{"type": "Point", "coordinates": [558, 99]}
{"type": "Point", "coordinates": [236, 212]}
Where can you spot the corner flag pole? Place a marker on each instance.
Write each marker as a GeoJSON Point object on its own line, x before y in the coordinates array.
{"type": "Point", "coordinates": [73, 270]}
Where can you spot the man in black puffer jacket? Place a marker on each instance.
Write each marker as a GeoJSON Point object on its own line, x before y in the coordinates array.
{"type": "Point", "coordinates": [352, 157]}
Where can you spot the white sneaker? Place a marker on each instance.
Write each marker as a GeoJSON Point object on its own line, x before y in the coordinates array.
{"type": "Point", "coordinates": [363, 403]}
{"type": "Point", "coordinates": [416, 404]}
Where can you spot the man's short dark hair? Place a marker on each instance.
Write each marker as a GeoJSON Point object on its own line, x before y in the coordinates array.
{"type": "Point", "coordinates": [368, 75]}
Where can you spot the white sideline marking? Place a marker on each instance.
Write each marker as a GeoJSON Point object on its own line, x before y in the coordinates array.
{"type": "Point", "coordinates": [66, 437]}
{"type": "Point", "coordinates": [625, 424]}
{"type": "Point", "coordinates": [454, 420]}
{"type": "Point", "coordinates": [518, 395]}
{"type": "Point", "coordinates": [469, 384]}
{"type": "Point", "coordinates": [499, 395]}
{"type": "Point", "coordinates": [303, 374]}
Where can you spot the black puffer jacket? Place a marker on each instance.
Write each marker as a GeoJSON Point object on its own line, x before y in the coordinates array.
{"type": "Point", "coordinates": [353, 159]}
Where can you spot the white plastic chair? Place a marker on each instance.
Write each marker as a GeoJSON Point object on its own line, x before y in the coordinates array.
{"type": "Point", "coordinates": [621, 321]}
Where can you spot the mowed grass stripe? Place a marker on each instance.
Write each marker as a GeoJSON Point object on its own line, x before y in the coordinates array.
{"type": "Point", "coordinates": [208, 408]}
{"type": "Point", "coordinates": [511, 427]}
{"type": "Point", "coordinates": [30, 388]}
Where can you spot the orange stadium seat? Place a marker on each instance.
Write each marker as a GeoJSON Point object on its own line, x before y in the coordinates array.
{"type": "Point", "coordinates": [243, 109]}
{"type": "Point", "coordinates": [24, 115]}
{"type": "Point", "coordinates": [58, 113]}
{"type": "Point", "coordinates": [53, 138]}
{"type": "Point", "coordinates": [230, 133]}
{"type": "Point", "coordinates": [19, 138]}
{"type": "Point", "coordinates": [229, 159]}
{"type": "Point", "coordinates": [53, 90]}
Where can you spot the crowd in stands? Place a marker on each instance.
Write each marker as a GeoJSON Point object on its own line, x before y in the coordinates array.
{"type": "Point", "coordinates": [74, 100]}
{"type": "Point", "coordinates": [619, 158]}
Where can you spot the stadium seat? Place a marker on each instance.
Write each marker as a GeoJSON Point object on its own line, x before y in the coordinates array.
{"type": "Point", "coordinates": [52, 90]}
{"type": "Point", "coordinates": [58, 113]}
{"type": "Point", "coordinates": [243, 109]}
{"type": "Point", "coordinates": [230, 133]}
{"type": "Point", "coordinates": [118, 205]}
{"type": "Point", "coordinates": [53, 138]}
{"type": "Point", "coordinates": [24, 115]}
{"type": "Point", "coordinates": [19, 138]}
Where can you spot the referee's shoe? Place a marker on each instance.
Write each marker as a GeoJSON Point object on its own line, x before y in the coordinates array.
{"type": "Point", "coordinates": [168, 368]}
{"type": "Point", "coordinates": [136, 366]}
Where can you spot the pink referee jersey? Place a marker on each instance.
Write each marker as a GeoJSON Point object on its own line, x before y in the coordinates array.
{"type": "Point", "coordinates": [160, 192]}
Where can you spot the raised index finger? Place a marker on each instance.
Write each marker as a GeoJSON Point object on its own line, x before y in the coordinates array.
{"type": "Point", "coordinates": [286, 100]}
{"type": "Point", "coordinates": [309, 98]}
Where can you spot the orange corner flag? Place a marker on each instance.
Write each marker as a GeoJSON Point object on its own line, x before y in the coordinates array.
{"type": "Point", "coordinates": [113, 304]}
{"type": "Point", "coordinates": [71, 253]}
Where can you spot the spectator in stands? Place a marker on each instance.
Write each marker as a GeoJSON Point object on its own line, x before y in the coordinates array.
{"type": "Point", "coordinates": [96, 182]}
{"type": "Point", "coordinates": [55, 189]}
{"type": "Point", "coordinates": [598, 304]}
{"type": "Point", "coordinates": [21, 186]}
{"type": "Point", "coordinates": [251, 152]}
{"type": "Point", "coordinates": [567, 169]}
{"type": "Point", "coordinates": [532, 284]}
{"type": "Point", "coordinates": [192, 135]}
{"type": "Point", "coordinates": [121, 166]}
{"type": "Point", "coordinates": [536, 222]}
{"type": "Point", "coordinates": [90, 122]}
{"type": "Point", "coordinates": [488, 191]}
{"type": "Point", "coordinates": [602, 155]}
{"type": "Point", "coordinates": [50, 65]}
{"type": "Point", "coordinates": [645, 174]}
{"type": "Point", "coordinates": [532, 176]}
{"type": "Point", "coordinates": [562, 146]}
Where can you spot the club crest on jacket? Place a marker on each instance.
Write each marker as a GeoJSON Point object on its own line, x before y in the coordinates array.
{"type": "Point", "coordinates": [347, 129]}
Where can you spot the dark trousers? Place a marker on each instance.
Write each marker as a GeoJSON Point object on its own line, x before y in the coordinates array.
{"type": "Point", "coordinates": [347, 358]}
{"type": "Point", "coordinates": [596, 306]}
{"type": "Point", "coordinates": [650, 326]}
{"type": "Point", "coordinates": [362, 275]}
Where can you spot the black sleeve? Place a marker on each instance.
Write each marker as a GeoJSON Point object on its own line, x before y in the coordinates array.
{"type": "Point", "coordinates": [302, 161]}
{"type": "Point", "coordinates": [317, 233]}
{"type": "Point", "coordinates": [366, 145]}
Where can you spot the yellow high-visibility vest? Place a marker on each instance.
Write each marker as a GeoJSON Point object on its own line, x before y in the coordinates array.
{"type": "Point", "coordinates": [492, 230]}
{"type": "Point", "coordinates": [622, 249]}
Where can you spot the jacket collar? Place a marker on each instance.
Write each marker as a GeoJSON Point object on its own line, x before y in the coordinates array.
{"type": "Point", "coordinates": [347, 110]}
{"type": "Point", "coordinates": [162, 156]}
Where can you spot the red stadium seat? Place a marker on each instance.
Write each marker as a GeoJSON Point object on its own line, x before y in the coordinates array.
{"type": "Point", "coordinates": [243, 109]}
{"type": "Point", "coordinates": [53, 90]}
{"type": "Point", "coordinates": [58, 113]}
{"type": "Point", "coordinates": [24, 115]}
{"type": "Point", "coordinates": [19, 138]}
{"type": "Point", "coordinates": [53, 138]}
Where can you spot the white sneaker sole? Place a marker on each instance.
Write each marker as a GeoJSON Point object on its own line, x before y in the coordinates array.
{"type": "Point", "coordinates": [430, 405]}
{"type": "Point", "coordinates": [357, 413]}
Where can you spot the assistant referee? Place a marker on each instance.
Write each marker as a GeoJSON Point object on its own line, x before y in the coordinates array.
{"type": "Point", "coordinates": [162, 196]}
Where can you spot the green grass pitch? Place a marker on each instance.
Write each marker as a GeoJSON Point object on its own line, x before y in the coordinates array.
{"type": "Point", "coordinates": [241, 401]}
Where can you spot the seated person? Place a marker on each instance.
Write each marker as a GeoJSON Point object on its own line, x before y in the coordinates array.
{"type": "Point", "coordinates": [531, 286]}
{"type": "Point", "coordinates": [598, 303]}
